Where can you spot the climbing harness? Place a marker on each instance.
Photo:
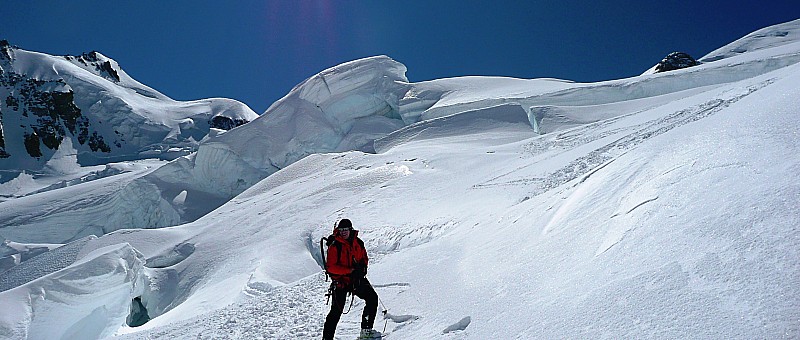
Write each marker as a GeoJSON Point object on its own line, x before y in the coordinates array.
{"type": "Point", "coordinates": [332, 289]}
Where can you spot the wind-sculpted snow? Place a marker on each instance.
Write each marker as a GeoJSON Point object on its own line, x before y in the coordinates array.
{"type": "Point", "coordinates": [591, 161]}
{"type": "Point", "coordinates": [46, 263]}
{"type": "Point", "coordinates": [89, 299]}
{"type": "Point", "coordinates": [91, 208]}
{"type": "Point", "coordinates": [505, 117]}
{"type": "Point", "coordinates": [340, 109]}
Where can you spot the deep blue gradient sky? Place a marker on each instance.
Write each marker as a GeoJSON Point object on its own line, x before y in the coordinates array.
{"type": "Point", "coordinates": [256, 51]}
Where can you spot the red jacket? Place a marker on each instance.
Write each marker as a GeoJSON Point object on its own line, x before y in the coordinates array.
{"type": "Point", "coordinates": [344, 255]}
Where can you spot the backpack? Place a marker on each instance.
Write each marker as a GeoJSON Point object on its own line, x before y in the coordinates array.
{"type": "Point", "coordinates": [328, 242]}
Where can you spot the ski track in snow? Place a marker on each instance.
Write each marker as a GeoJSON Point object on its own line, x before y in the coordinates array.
{"type": "Point", "coordinates": [586, 134]}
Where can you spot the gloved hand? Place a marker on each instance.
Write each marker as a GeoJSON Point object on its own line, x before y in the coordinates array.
{"type": "Point", "coordinates": [359, 271]}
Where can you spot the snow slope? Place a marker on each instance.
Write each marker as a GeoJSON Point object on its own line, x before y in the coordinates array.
{"type": "Point", "coordinates": [318, 117]}
{"type": "Point", "coordinates": [94, 207]}
{"type": "Point", "coordinates": [349, 106]}
{"type": "Point", "coordinates": [659, 206]}
{"type": "Point", "coordinates": [767, 37]}
{"type": "Point", "coordinates": [673, 223]}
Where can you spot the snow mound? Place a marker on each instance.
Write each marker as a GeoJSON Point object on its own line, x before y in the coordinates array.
{"type": "Point", "coordinates": [342, 108]}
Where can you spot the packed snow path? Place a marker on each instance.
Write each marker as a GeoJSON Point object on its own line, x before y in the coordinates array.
{"type": "Point", "coordinates": [295, 311]}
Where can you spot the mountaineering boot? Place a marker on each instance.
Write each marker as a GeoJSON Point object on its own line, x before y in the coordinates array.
{"type": "Point", "coordinates": [369, 334]}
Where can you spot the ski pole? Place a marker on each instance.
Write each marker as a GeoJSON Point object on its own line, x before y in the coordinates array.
{"type": "Point", "coordinates": [385, 311]}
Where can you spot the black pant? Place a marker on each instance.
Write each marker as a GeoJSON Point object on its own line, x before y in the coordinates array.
{"type": "Point", "coordinates": [363, 290]}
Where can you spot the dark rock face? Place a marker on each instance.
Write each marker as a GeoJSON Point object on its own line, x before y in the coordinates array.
{"type": "Point", "coordinates": [52, 112]}
{"type": "Point", "coordinates": [5, 50]}
{"type": "Point", "coordinates": [3, 153]}
{"type": "Point", "coordinates": [676, 61]}
{"type": "Point", "coordinates": [96, 143]}
{"type": "Point", "coordinates": [32, 144]}
{"type": "Point", "coordinates": [101, 68]}
{"type": "Point", "coordinates": [226, 123]}
{"type": "Point", "coordinates": [47, 109]}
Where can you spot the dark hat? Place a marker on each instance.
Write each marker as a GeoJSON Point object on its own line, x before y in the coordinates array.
{"type": "Point", "coordinates": [344, 224]}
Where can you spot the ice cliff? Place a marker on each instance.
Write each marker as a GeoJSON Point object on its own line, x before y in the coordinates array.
{"type": "Point", "coordinates": [89, 299]}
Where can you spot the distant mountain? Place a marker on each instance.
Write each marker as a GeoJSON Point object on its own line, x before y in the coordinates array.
{"type": "Point", "coordinates": [85, 110]}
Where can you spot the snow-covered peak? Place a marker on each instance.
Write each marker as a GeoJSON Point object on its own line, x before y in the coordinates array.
{"type": "Point", "coordinates": [107, 115]}
{"type": "Point", "coordinates": [105, 67]}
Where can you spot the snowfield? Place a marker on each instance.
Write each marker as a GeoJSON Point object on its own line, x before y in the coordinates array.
{"type": "Point", "coordinates": [658, 206]}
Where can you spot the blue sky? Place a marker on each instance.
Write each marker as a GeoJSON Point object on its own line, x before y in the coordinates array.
{"type": "Point", "coordinates": [256, 51]}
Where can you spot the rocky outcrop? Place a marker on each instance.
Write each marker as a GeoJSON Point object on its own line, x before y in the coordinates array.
{"type": "Point", "coordinates": [226, 123]}
{"type": "Point", "coordinates": [3, 153]}
{"type": "Point", "coordinates": [47, 112]}
{"type": "Point", "coordinates": [97, 64]}
{"type": "Point", "coordinates": [5, 51]}
{"type": "Point", "coordinates": [676, 61]}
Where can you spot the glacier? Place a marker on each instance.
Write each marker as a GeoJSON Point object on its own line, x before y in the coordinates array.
{"type": "Point", "coordinates": [658, 206]}
{"type": "Point", "coordinates": [349, 106]}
